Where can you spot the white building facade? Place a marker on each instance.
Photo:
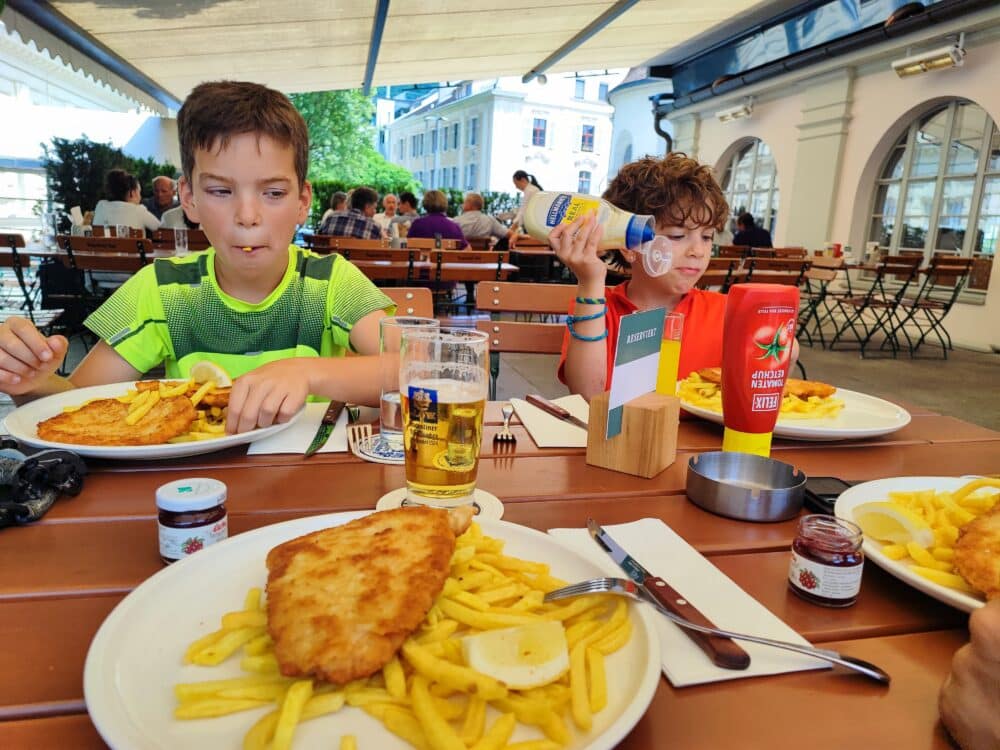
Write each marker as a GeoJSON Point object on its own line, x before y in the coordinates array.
{"type": "Point", "coordinates": [476, 135]}
{"type": "Point", "coordinates": [633, 136]}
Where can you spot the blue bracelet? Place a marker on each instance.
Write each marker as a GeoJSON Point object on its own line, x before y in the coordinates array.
{"type": "Point", "coordinates": [581, 337]}
{"type": "Point", "coordinates": [591, 301]}
{"type": "Point", "coordinates": [595, 316]}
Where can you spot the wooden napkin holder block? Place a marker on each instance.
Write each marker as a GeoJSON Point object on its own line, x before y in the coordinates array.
{"type": "Point", "coordinates": [647, 443]}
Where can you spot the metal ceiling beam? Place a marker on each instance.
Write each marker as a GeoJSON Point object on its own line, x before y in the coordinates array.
{"type": "Point", "coordinates": [378, 26]}
{"type": "Point", "coordinates": [579, 38]}
{"type": "Point", "coordinates": [54, 22]}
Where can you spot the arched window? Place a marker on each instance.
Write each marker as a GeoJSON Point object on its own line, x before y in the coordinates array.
{"type": "Point", "coordinates": [940, 185]}
{"type": "Point", "coordinates": [750, 182]}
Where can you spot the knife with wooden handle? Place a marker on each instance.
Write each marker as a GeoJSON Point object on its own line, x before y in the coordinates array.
{"type": "Point", "coordinates": [724, 652]}
{"type": "Point", "coordinates": [554, 409]}
{"type": "Point", "coordinates": [326, 426]}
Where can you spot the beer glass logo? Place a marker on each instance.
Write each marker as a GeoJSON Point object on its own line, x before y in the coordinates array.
{"type": "Point", "coordinates": [423, 400]}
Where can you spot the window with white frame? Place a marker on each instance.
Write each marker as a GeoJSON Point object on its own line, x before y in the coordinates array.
{"type": "Point", "coordinates": [454, 177]}
{"type": "Point", "coordinates": [939, 188]}
{"type": "Point", "coordinates": [602, 92]}
{"type": "Point", "coordinates": [454, 135]}
{"type": "Point", "coordinates": [750, 182]}
{"type": "Point", "coordinates": [583, 184]}
{"type": "Point", "coordinates": [581, 88]}
{"type": "Point", "coordinates": [473, 131]}
{"type": "Point", "coordinates": [538, 131]}
{"type": "Point", "coordinates": [470, 176]}
{"type": "Point", "coordinates": [402, 148]}
{"type": "Point", "coordinates": [444, 138]}
{"type": "Point", "coordinates": [587, 138]}
{"type": "Point", "coordinates": [434, 140]}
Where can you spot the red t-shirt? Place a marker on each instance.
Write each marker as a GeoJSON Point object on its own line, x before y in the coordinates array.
{"type": "Point", "coordinates": [701, 340]}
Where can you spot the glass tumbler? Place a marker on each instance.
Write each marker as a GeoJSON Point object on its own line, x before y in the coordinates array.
{"type": "Point", "coordinates": [390, 340]}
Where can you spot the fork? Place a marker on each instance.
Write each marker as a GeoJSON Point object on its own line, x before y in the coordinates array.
{"type": "Point", "coordinates": [505, 435]}
{"type": "Point", "coordinates": [358, 435]}
{"type": "Point", "coordinates": [627, 588]}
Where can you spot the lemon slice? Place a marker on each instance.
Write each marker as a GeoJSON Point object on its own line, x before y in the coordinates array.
{"type": "Point", "coordinates": [522, 657]}
{"type": "Point", "coordinates": [203, 371]}
{"type": "Point", "coordinates": [889, 522]}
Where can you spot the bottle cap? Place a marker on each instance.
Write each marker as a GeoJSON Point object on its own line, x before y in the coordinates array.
{"type": "Point", "coordinates": [640, 229]}
{"type": "Point", "coordinates": [756, 443]}
{"type": "Point", "coordinates": [186, 495]}
{"type": "Point", "coordinates": [657, 257]}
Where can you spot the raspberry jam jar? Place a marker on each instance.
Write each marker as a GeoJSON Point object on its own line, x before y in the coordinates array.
{"type": "Point", "coordinates": [192, 516]}
{"type": "Point", "coordinates": [826, 561]}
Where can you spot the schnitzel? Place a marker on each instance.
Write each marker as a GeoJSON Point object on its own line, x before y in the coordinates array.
{"type": "Point", "coordinates": [977, 553]}
{"type": "Point", "coordinates": [102, 422]}
{"type": "Point", "coordinates": [341, 601]}
{"type": "Point", "coordinates": [802, 389]}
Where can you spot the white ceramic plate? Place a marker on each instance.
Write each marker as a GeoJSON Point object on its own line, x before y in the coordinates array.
{"type": "Point", "coordinates": [879, 490]}
{"type": "Point", "coordinates": [135, 658]}
{"type": "Point", "coordinates": [863, 416]}
{"type": "Point", "coordinates": [22, 424]}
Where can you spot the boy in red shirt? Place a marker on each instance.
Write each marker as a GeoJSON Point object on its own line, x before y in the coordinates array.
{"type": "Point", "coordinates": [689, 207]}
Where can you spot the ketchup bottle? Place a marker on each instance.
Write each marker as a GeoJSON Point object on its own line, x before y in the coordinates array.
{"type": "Point", "coordinates": [756, 355]}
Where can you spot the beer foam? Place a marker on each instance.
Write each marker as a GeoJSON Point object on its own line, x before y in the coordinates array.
{"type": "Point", "coordinates": [451, 391]}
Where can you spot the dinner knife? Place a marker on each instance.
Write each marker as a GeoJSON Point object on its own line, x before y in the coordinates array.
{"type": "Point", "coordinates": [554, 409]}
{"type": "Point", "coordinates": [724, 652]}
{"type": "Point", "coordinates": [326, 426]}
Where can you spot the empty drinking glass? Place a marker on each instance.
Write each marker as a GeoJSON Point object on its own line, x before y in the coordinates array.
{"type": "Point", "coordinates": [390, 410]}
{"type": "Point", "coordinates": [180, 242]}
{"type": "Point", "coordinates": [123, 230]}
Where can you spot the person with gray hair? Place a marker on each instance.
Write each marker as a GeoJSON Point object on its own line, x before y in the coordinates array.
{"type": "Point", "coordinates": [475, 223]}
{"type": "Point", "coordinates": [164, 196]}
{"type": "Point", "coordinates": [384, 217]}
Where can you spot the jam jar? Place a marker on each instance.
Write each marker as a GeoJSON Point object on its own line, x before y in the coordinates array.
{"type": "Point", "coordinates": [192, 516]}
{"type": "Point", "coordinates": [826, 561]}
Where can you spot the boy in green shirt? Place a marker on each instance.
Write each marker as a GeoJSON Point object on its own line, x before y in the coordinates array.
{"type": "Point", "coordinates": [276, 317]}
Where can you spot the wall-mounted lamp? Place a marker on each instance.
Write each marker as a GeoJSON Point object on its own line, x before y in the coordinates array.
{"type": "Point", "coordinates": [735, 113]}
{"type": "Point", "coordinates": [951, 56]}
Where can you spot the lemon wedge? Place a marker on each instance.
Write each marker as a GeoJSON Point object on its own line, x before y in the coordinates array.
{"type": "Point", "coordinates": [203, 371]}
{"type": "Point", "coordinates": [522, 657]}
{"type": "Point", "coordinates": [888, 522]}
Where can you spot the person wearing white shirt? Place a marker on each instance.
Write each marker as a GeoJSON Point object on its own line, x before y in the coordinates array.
{"type": "Point", "coordinates": [384, 217]}
{"type": "Point", "coordinates": [124, 204]}
{"type": "Point", "coordinates": [475, 223]}
{"type": "Point", "coordinates": [528, 186]}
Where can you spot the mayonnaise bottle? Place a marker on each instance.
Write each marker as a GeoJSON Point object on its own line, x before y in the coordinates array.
{"type": "Point", "coordinates": [544, 211]}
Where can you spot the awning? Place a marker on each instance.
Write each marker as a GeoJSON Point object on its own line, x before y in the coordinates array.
{"type": "Point", "coordinates": [307, 45]}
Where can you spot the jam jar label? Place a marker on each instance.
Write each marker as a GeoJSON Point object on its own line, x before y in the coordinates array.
{"type": "Point", "coordinates": [827, 581]}
{"type": "Point", "coordinates": [178, 543]}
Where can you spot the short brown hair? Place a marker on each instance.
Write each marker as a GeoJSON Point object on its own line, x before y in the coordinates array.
{"type": "Point", "coordinates": [216, 111]}
{"type": "Point", "coordinates": [435, 202]}
{"type": "Point", "coordinates": [676, 190]}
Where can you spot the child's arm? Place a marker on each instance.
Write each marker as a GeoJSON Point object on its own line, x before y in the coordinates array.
{"type": "Point", "coordinates": [276, 391]}
{"type": "Point", "coordinates": [577, 245]}
{"type": "Point", "coordinates": [103, 365]}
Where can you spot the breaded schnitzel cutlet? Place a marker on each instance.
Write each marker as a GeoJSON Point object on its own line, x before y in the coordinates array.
{"type": "Point", "coordinates": [793, 386]}
{"type": "Point", "coordinates": [977, 553]}
{"type": "Point", "coordinates": [341, 601]}
{"type": "Point", "coordinates": [102, 422]}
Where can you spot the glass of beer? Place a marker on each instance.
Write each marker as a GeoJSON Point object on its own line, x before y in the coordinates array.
{"type": "Point", "coordinates": [443, 378]}
{"type": "Point", "coordinates": [670, 354]}
{"type": "Point", "coordinates": [390, 340]}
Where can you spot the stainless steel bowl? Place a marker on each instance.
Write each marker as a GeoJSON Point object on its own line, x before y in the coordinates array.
{"type": "Point", "coordinates": [745, 487]}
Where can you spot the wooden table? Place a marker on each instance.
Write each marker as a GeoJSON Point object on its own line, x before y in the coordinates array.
{"type": "Point", "coordinates": [63, 575]}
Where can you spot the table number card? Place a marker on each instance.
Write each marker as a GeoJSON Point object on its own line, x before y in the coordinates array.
{"type": "Point", "coordinates": [636, 360]}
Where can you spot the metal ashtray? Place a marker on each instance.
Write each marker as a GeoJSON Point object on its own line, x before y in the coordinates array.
{"type": "Point", "coordinates": [745, 487]}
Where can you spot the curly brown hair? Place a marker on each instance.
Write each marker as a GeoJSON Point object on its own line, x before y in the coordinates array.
{"type": "Point", "coordinates": [676, 190]}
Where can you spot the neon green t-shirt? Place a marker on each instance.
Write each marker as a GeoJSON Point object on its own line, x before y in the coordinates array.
{"type": "Point", "coordinates": [173, 312]}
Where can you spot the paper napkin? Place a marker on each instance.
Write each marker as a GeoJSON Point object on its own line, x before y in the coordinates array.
{"type": "Point", "coordinates": [297, 438]}
{"type": "Point", "coordinates": [551, 432]}
{"type": "Point", "coordinates": [665, 554]}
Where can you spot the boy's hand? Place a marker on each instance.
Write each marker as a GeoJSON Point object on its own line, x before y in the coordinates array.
{"type": "Point", "coordinates": [970, 694]}
{"type": "Point", "coordinates": [268, 395]}
{"type": "Point", "coordinates": [577, 245]}
{"type": "Point", "coordinates": [27, 358]}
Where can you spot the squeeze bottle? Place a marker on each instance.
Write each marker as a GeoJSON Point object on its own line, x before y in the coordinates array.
{"type": "Point", "coordinates": [544, 211]}
{"type": "Point", "coordinates": [757, 340]}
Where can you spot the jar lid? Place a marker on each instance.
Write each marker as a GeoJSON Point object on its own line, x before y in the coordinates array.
{"type": "Point", "coordinates": [197, 493]}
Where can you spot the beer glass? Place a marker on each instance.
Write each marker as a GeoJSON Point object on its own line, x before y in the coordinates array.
{"type": "Point", "coordinates": [390, 341]}
{"type": "Point", "coordinates": [180, 242]}
{"type": "Point", "coordinates": [443, 377]}
{"type": "Point", "coordinates": [670, 354]}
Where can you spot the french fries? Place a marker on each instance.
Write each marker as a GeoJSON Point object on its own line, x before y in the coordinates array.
{"type": "Point", "coordinates": [426, 694]}
{"type": "Point", "coordinates": [699, 392]}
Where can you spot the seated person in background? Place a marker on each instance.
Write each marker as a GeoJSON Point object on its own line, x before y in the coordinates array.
{"type": "Point", "coordinates": [970, 695]}
{"type": "Point", "coordinates": [278, 318]}
{"type": "Point", "coordinates": [357, 220]}
{"type": "Point", "coordinates": [124, 203]}
{"type": "Point", "coordinates": [748, 233]}
{"type": "Point", "coordinates": [164, 196]}
{"type": "Point", "coordinates": [474, 223]}
{"type": "Point", "coordinates": [399, 225]}
{"type": "Point", "coordinates": [436, 223]}
{"type": "Point", "coordinates": [689, 208]}
{"type": "Point", "coordinates": [338, 202]}
{"type": "Point", "coordinates": [385, 216]}
{"type": "Point", "coordinates": [175, 218]}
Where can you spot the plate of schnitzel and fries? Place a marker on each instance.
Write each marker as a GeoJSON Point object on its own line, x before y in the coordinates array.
{"type": "Point", "coordinates": [938, 534]}
{"type": "Point", "coordinates": [146, 419]}
{"type": "Point", "coordinates": [810, 409]}
{"type": "Point", "coordinates": [191, 657]}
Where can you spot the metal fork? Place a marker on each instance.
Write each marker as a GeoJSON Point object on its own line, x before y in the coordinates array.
{"type": "Point", "coordinates": [358, 435]}
{"type": "Point", "coordinates": [505, 435]}
{"type": "Point", "coordinates": [625, 587]}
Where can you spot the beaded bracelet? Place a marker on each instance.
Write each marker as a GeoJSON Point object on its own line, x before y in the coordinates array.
{"type": "Point", "coordinates": [580, 337]}
{"type": "Point", "coordinates": [595, 316]}
{"type": "Point", "coordinates": [590, 300]}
